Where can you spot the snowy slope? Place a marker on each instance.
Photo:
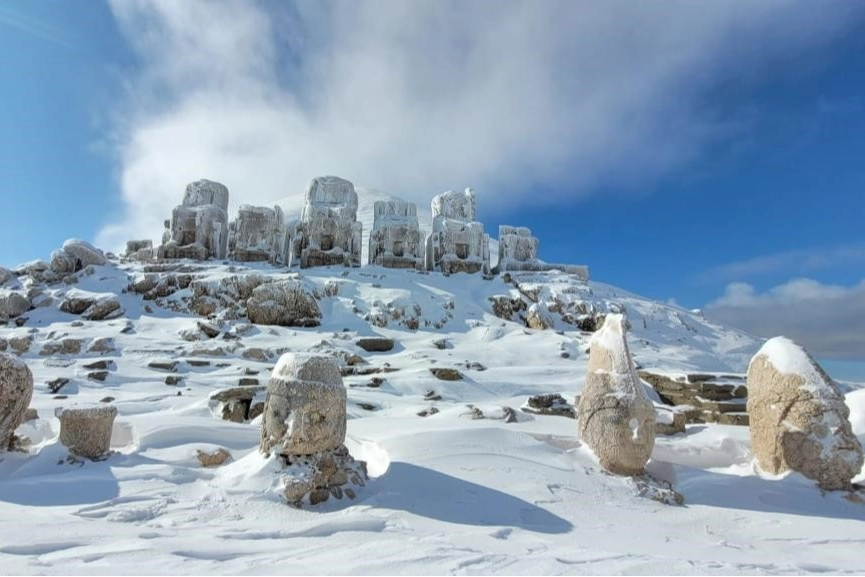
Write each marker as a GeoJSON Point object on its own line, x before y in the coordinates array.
{"type": "Point", "coordinates": [449, 493]}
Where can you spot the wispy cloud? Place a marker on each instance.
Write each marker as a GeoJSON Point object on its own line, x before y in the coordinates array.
{"type": "Point", "coordinates": [826, 319]}
{"type": "Point", "coordinates": [417, 97]}
{"type": "Point", "coordinates": [20, 21]}
{"type": "Point", "coordinates": [792, 262]}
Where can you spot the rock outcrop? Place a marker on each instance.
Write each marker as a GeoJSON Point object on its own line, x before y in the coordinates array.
{"type": "Point", "coordinates": [615, 417]}
{"type": "Point", "coordinates": [16, 391]}
{"type": "Point", "coordinates": [198, 228]}
{"type": "Point", "coordinates": [285, 303]}
{"type": "Point", "coordinates": [799, 420]}
{"type": "Point", "coordinates": [13, 304]}
{"type": "Point", "coordinates": [85, 253]}
{"type": "Point", "coordinates": [328, 232]}
{"type": "Point", "coordinates": [457, 243]}
{"type": "Point", "coordinates": [86, 431]}
{"type": "Point", "coordinates": [395, 240]}
{"type": "Point", "coordinates": [259, 234]}
{"type": "Point", "coordinates": [141, 250]}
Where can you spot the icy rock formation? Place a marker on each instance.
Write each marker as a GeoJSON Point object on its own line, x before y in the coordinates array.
{"type": "Point", "coordinates": [395, 240]}
{"type": "Point", "coordinates": [616, 418]}
{"type": "Point", "coordinates": [86, 431]}
{"type": "Point", "coordinates": [141, 250]}
{"type": "Point", "coordinates": [5, 275]}
{"type": "Point", "coordinates": [16, 390]}
{"type": "Point", "coordinates": [518, 251]}
{"type": "Point", "coordinates": [63, 263]}
{"type": "Point", "coordinates": [285, 303]}
{"type": "Point", "coordinates": [304, 423]}
{"type": "Point", "coordinates": [198, 228]}
{"type": "Point", "coordinates": [258, 234]}
{"type": "Point", "coordinates": [13, 304]}
{"type": "Point", "coordinates": [457, 242]}
{"type": "Point", "coordinates": [84, 252]}
{"type": "Point", "coordinates": [798, 418]}
{"type": "Point", "coordinates": [328, 232]}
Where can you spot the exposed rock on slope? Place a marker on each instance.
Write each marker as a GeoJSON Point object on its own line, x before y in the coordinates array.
{"type": "Point", "coordinates": [16, 390]}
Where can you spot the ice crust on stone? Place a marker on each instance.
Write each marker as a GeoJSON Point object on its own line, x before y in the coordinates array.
{"type": "Point", "coordinates": [328, 232]}
{"type": "Point", "coordinates": [457, 242]}
{"type": "Point", "coordinates": [259, 234]}
{"type": "Point", "coordinates": [198, 228]}
{"type": "Point", "coordinates": [395, 240]}
{"type": "Point", "coordinates": [518, 251]}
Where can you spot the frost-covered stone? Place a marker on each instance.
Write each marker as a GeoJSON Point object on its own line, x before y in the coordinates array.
{"type": "Point", "coordinates": [103, 308]}
{"type": "Point", "coordinates": [63, 263]}
{"type": "Point", "coordinates": [141, 250]}
{"type": "Point", "coordinates": [518, 251]}
{"type": "Point", "coordinates": [328, 232]}
{"type": "Point", "coordinates": [85, 253]}
{"type": "Point", "coordinates": [538, 317]}
{"type": "Point", "coordinates": [198, 228]}
{"type": "Point", "coordinates": [305, 409]}
{"type": "Point", "coordinates": [13, 304]}
{"type": "Point", "coordinates": [16, 391]}
{"type": "Point", "coordinates": [615, 417]}
{"type": "Point", "coordinates": [798, 418]}
{"type": "Point", "coordinates": [285, 303]}
{"type": "Point", "coordinates": [86, 431]}
{"type": "Point", "coordinates": [457, 242]}
{"type": "Point", "coordinates": [259, 234]}
{"type": "Point", "coordinates": [5, 275]}
{"type": "Point", "coordinates": [395, 240]}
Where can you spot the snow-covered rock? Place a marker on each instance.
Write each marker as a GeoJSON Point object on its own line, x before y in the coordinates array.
{"type": "Point", "coordinates": [16, 390]}
{"type": "Point", "coordinates": [63, 263]}
{"type": "Point", "coordinates": [798, 418]}
{"type": "Point", "coordinates": [5, 275]}
{"type": "Point", "coordinates": [85, 253]}
{"type": "Point", "coordinates": [286, 303]}
{"type": "Point", "coordinates": [198, 228]}
{"type": "Point", "coordinates": [86, 431]}
{"type": "Point", "coordinates": [13, 304]}
{"type": "Point", "coordinates": [518, 251]}
{"type": "Point", "coordinates": [328, 232]}
{"type": "Point", "coordinates": [304, 412]}
{"type": "Point", "coordinates": [259, 234]}
{"type": "Point", "coordinates": [141, 250]}
{"type": "Point", "coordinates": [616, 418]}
{"type": "Point", "coordinates": [457, 243]}
{"type": "Point", "coordinates": [395, 240]}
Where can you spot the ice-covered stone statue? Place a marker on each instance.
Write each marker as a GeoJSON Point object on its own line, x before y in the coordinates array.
{"type": "Point", "coordinates": [518, 251]}
{"type": "Point", "coordinates": [198, 228]}
{"type": "Point", "coordinates": [395, 240]}
{"type": "Point", "coordinates": [457, 242]}
{"type": "Point", "coordinates": [258, 234]}
{"type": "Point", "coordinates": [141, 250]}
{"type": "Point", "coordinates": [304, 425]}
{"type": "Point", "coordinates": [328, 232]}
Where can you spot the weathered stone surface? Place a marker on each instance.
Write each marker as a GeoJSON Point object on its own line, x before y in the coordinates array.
{"type": "Point", "coordinates": [328, 232]}
{"type": "Point", "coordinates": [615, 418]}
{"type": "Point", "coordinates": [798, 418]}
{"type": "Point", "coordinates": [376, 344]}
{"type": "Point", "coordinates": [214, 459]}
{"type": "Point", "coordinates": [457, 243]}
{"type": "Point", "coordinates": [538, 317]}
{"type": "Point", "coordinates": [518, 251]}
{"type": "Point", "coordinates": [5, 275]}
{"type": "Point", "coordinates": [505, 306]}
{"type": "Point", "coordinates": [669, 421]}
{"type": "Point", "coordinates": [708, 398]}
{"type": "Point", "coordinates": [550, 404]}
{"type": "Point", "coordinates": [395, 239]}
{"type": "Point", "coordinates": [259, 234]}
{"type": "Point", "coordinates": [85, 253]}
{"type": "Point", "coordinates": [76, 305]}
{"type": "Point", "coordinates": [86, 431]}
{"type": "Point", "coordinates": [198, 228]}
{"type": "Point", "coordinates": [305, 409]}
{"type": "Point", "coordinates": [103, 308]}
{"type": "Point", "coordinates": [285, 303]}
{"type": "Point", "coordinates": [16, 391]}
{"type": "Point", "coordinates": [140, 250]}
{"type": "Point", "coordinates": [255, 354]}
{"type": "Point", "coordinates": [315, 478]}
{"type": "Point", "coordinates": [13, 304]}
{"type": "Point", "coordinates": [21, 344]}
{"type": "Point", "coordinates": [444, 374]}
{"type": "Point", "coordinates": [64, 347]}
{"type": "Point", "coordinates": [169, 366]}
{"type": "Point", "coordinates": [64, 263]}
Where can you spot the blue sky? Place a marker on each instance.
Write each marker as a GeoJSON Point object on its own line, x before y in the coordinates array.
{"type": "Point", "coordinates": [709, 154]}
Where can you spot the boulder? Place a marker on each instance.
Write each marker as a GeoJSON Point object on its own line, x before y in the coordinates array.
{"type": "Point", "coordinates": [85, 253]}
{"type": "Point", "coordinates": [104, 308]}
{"type": "Point", "coordinates": [5, 275]}
{"type": "Point", "coordinates": [86, 431]}
{"type": "Point", "coordinates": [13, 304]}
{"type": "Point", "coordinates": [539, 318]}
{"type": "Point", "coordinates": [444, 374]}
{"type": "Point", "coordinates": [376, 344]}
{"type": "Point", "coordinates": [16, 391]}
{"type": "Point", "coordinates": [215, 459]}
{"type": "Point", "coordinates": [285, 303]}
{"type": "Point", "coordinates": [615, 417]}
{"type": "Point", "coordinates": [305, 408]}
{"type": "Point", "coordinates": [76, 305]}
{"type": "Point", "coordinates": [63, 263]}
{"type": "Point", "coordinates": [798, 418]}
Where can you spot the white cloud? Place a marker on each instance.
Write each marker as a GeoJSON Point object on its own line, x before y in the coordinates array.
{"type": "Point", "coordinates": [417, 97]}
{"type": "Point", "coordinates": [828, 320]}
{"type": "Point", "coordinates": [792, 261]}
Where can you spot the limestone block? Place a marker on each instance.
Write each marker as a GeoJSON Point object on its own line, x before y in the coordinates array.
{"type": "Point", "coordinates": [16, 391]}
{"type": "Point", "coordinates": [86, 431]}
{"type": "Point", "coordinates": [285, 303]}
